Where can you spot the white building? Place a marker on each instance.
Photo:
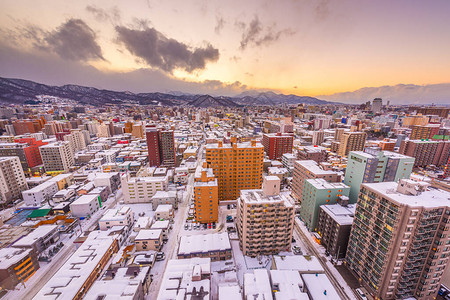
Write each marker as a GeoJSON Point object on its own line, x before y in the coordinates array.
{"type": "Point", "coordinates": [117, 217]}
{"type": "Point", "coordinates": [164, 212]}
{"type": "Point", "coordinates": [257, 285]}
{"type": "Point", "coordinates": [40, 194]}
{"type": "Point", "coordinates": [142, 189]}
{"type": "Point", "coordinates": [103, 130]}
{"type": "Point", "coordinates": [186, 276]}
{"type": "Point", "coordinates": [86, 205]}
{"type": "Point", "coordinates": [142, 223]}
{"type": "Point", "coordinates": [12, 179]}
{"type": "Point", "coordinates": [163, 197]}
{"type": "Point", "coordinates": [57, 156]}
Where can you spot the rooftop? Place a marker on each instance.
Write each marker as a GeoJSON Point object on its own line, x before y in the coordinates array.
{"type": "Point", "coordinates": [204, 243]}
{"type": "Point", "coordinates": [149, 234]}
{"type": "Point", "coordinates": [313, 167]}
{"type": "Point", "coordinates": [343, 215]}
{"type": "Point", "coordinates": [257, 196]}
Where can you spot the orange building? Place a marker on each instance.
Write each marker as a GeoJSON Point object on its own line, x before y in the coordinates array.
{"type": "Point", "coordinates": [128, 127]}
{"type": "Point", "coordinates": [206, 195]}
{"type": "Point", "coordinates": [237, 166]}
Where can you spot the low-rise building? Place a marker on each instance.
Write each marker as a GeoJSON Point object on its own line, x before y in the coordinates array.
{"type": "Point", "coordinates": [164, 226]}
{"type": "Point", "coordinates": [142, 189]}
{"type": "Point", "coordinates": [39, 239]}
{"type": "Point", "coordinates": [164, 197]}
{"type": "Point", "coordinates": [40, 194]}
{"type": "Point", "coordinates": [164, 212]}
{"type": "Point", "coordinates": [149, 239]}
{"type": "Point", "coordinates": [17, 265]}
{"type": "Point", "coordinates": [117, 217]}
{"type": "Point", "coordinates": [215, 246]}
{"type": "Point", "coordinates": [85, 206]}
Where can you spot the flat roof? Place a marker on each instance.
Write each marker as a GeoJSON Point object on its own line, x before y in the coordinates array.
{"type": "Point", "coordinates": [313, 167]}
{"type": "Point", "coordinates": [320, 287]}
{"type": "Point", "coordinates": [322, 184]}
{"type": "Point", "coordinates": [203, 243]}
{"type": "Point", "coordinates": [430, 198]}
{"type": "Point", "coordinates": [11, 256]}
{"type": "Point", "coordinates": [149, 234]}
{"type": "Point", "coordinates": [86, 199]}
{"type": "Point", "coordinates": [257, 285]}
{"type": "Point", "coordinates": [257, 196]}
{"type": "Point", "coordinates": [343, 215]}
{"type": "Point", "coordinates": [35, 235]}
{"type": "Point", "coordinates": [300, 263]}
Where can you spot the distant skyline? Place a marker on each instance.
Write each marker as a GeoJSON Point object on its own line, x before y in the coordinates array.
{"type": "Point", "coordinates": [347, 51]}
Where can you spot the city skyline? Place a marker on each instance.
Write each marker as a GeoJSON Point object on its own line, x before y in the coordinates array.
{"type": "Point", "coordinates": [395, 50]}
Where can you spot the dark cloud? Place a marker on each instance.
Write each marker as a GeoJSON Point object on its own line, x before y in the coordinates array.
{"type": "Point", "coordinates": [295, 87]}
{"type": "Point", "coordinates": [74, 40]}
{"type": "Point", "coordinates": [48, 68]}
{"type": "Point", "coordinates": [255, 34]}
{"type": "Point", "coordinates": [220, 23]}
{"type": "Point", "coordinates": [156, 50]}
{"type": "Point", "coordinates": [113, 15]}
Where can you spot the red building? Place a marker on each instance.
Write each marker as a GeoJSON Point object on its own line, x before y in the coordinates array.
{"type": "Point", "coordinates": [276, 144]}
{"type": "Point", "coordinates": [154, 157]}
{"type": "Point", "coordinates": [28, 126]}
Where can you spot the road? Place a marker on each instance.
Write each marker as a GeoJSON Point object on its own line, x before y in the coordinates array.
{"type": "Point", "coordinates": [312, 249]}
{"type": "Point", "coordinates": [170, 249]}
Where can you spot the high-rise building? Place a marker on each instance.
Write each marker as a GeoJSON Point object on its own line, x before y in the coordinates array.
{"type": "Point", "coordinates": [375, 166]}
{"type": "Point", "coordinates": [138, 131]}
{"type": "Point", "coordinates": [206, 195]}
{"type": "Point", "coordinates": [318, 137]}
{"type": "Point", "coordinates": [334, 225]}
{"type": "Point", "coordinates": [338, 134]}
{"type": "Point", "coordinates": [167, 148]}
{"type": "Point", "coordinates": [399, 243]}
{"type": "Point", "coordinates": [76, 139]}
{"type": "Point", "coordinates": [276, 144]}
{"type": "Point", "coordinates": [57, 156]}
{"type": "Point", "coordinates": [377, 104]}
{"type": "Point", "coordinates": [265, 219]}
{"type": "Point", "coordinates": [424, 131]}
{"type": "Point", "coordinates": [439, 111]}
{"type": "Point", "coordinates": [317, 192]}
{"type": "Point", "coordinates": [426, 152]}
{"type": "Point", "coordinates": [237, 166]}
{"type": "Point", "coordinates": [309, 169]}
{"type": "Point", "coordinates": [154, 157]}
{"type": "Point", "coordinates": [27, 149]}
{"type": "Point", "coordinates": [161, 147]}
{"type": "Point", "coordinates": [415, 120]}
{"type": "Point", "coordinates": [352, 141]}
{"type": "Point", "coordinates": [103, 130]}
{"type": "Point", "coordinates": [12, 180]}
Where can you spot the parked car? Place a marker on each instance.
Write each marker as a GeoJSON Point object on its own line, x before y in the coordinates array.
{"type": "Point", "coordinates": [214, 225]}
{"type": "Point", "coordinates": [160, 256]}
{"type": "Point", "coordinates": [229, 219]}
{"type": "Point", "coordinates": [209, 225]}
{"type": "Point", "coordinates": [186, 226]}
{"type": "Point", "coordinates": [360, 294]}
{"type": "Point", "coordinates": [297, 250]}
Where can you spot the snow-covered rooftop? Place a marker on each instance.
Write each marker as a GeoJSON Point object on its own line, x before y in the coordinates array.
{"type": "Point", "coordinates": [204, 243]}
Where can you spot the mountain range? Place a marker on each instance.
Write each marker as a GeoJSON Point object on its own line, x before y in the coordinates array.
{"type": "Point", "coordinates": [19, 91]}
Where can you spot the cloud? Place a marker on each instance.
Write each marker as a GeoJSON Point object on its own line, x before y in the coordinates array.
{"type": "Point", "coordinates": [103, 15]}
{"type": "Point", "coordinates": [48, 68]}
{"type": "Point", "coordinates": [255, 34]}
{"type": "Point", "coordinates": [74, 40]}
{"type": "Point", "coordinates": [397, 94]}
{"type": "Point", "coordinates": [322, 9]}
{"type": "Point", "coordinates": [220, 23]}
{"type": "Point", "coordinates": [159, 51]}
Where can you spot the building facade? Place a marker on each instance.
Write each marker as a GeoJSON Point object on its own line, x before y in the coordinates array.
{"type": "Point", "coordinates": [57, 156]}
{"type": "Point", "coordinates": [206, 195]}
{"type": "Point", "coordinates": [12, 180]}
{"type": "Point", "coordinates": [399, 242]}
{"type": "Point", "coordinates": [276, 144]}
{"type": "Point", "coordinates": [351, 141]}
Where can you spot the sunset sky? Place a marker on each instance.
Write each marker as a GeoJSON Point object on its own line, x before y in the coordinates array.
{"type": "Point", "coordinates": [225, 47]}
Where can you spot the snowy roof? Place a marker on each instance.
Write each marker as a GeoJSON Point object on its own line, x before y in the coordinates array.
{"type": "Point", "coordinates": [257, 285]}
{"type": "Point", "coordinates": [161, 225]}
{"type": "Point", "coordinates": [320, 287]}
{"type": "Point", "coordinates": [164, 208]}
{"type": "Point", "coordinates": [230, 292]}
{"type": "Point", "coordinates": [182, 276]}
{"type": "Point", "coordinates": [322, 184]}
{"type": "Point", "coordinates": [35, 235]}
{"type": "Point", "coordinates": [289, 285]}
{"type": "Point", "coordinates": [143, 222]}
{"type": "Point", "coordinates": [69, 279]}
{"type": "Point", "coordinates": [258, 197]}
{"type": "Point", "coordinates": [85, 199]}
{"type": "Point", "coordinates": [149, 234]}
{"type": "Point", "coordinates": [122, 286]}
{"type": "Point", "coordinates": [343, 215]}
{"type": "Point", "coordinates": [164, 194]}
{"type": "Point", "coordinates": [429, 198]}
{"type": "Point", "coordinates": [313, 167]}
{"type": "Point", "coordinates": [10, 256]}
{"type": "Point", "coordinates": [113, 214]}
{"type": "Point", "coordinates": [303, 264]}
{"type": "Point", "coordinates": [203, 243]}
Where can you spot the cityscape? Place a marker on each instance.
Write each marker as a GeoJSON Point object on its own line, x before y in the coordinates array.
{"type": "Point", "coordinates": [203, 150]}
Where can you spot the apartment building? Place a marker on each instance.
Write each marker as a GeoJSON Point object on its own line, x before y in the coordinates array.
{"type": "Point", "coordinates": [79, 272]}
{"type": "Point", "coordinates": [424, 131]}
{"type": "Point", "coordinates": [12, 180]}
{"type": "Point", "coordinates": [276, 144]}
{"type": "Point", "coordinates": [206, 195]}
{"type": "Point", "coordinates": [309, 169]}
{"type": "Point", "coordinates": [41, 194]}
{"type": "Point", "coordinates": [317, 192]}
{"type": "Point", "coordinates": [375, 166]}
{"type": "Point", "coordinates": [316, 153]}
{"type": "Point", "coordinates": [149, 239]}
{"type": "Point", "coordinates": [399, 243]}
{"type": "Point", "coordinates": [137, 131]}
{"type": "Point", "coordinates": [117, 217]}
{"type": "Point", "coordinates": [318, 137]}
{"type": "Point", "coordinates": [17, 266]}
{"type": "Point", "coordinates": [334, 225]}
{"type": "Point", "coordinates": [86, 205]}
{"type": "Point", "coordinates": [27, 149]}
{"type": "Point", "coordinates": [288, 161]}
{"type": "Point", "coordinates": [216, 246]}
{"type": "Point", "coordinates": [142, 189]}
{"type": "Point", "coordinates": [57, 156]}
{"type": "Point", "coordinates": [265, 219]}
{"type": "Point", "coordinates": [426, 152]}
{"type": "Point", "coordinates": [351, 141]}
{"type": "Point", "coordinates": [76, 139]}
{"type": "Point", "coordinates": [237, 166]}
{"type": "Point", "coordinates": [161, 147]}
